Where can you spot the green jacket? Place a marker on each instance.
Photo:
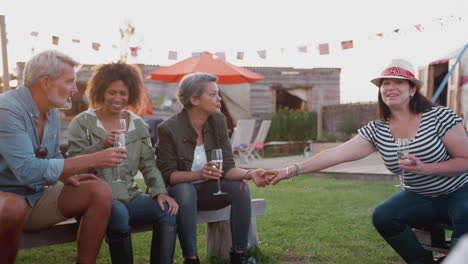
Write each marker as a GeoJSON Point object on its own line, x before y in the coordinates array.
{"type": "Point", "coordinates": [85, 136]}
{"type": "Point", "coordinates": [177, 140]}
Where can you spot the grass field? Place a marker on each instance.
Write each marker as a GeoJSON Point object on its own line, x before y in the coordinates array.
{"type": "Point", "coordinates": [309, 220]}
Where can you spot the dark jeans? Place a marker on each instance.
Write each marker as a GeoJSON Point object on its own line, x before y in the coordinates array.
{"type": "Point", "coordinates": [193, 197]}
{"type": "Point", "coordinates": [407, 208]}
{"type": "Point", "coordinates": [141, 210]}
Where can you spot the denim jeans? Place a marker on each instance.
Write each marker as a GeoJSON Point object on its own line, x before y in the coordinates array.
{"type": "Point", "coordinates": [407, 208]}
{"type": "Point", "coordinates": [193, 197]}
{"type": "Point", "coordinates": [141, 210]}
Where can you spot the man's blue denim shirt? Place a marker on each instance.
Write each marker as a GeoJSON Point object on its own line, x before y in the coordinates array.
{"type": "Point", "coordinates": [20, 171]}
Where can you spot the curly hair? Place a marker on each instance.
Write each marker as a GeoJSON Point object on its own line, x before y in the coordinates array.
{"type": "Point", "coordinates": [106, 74]}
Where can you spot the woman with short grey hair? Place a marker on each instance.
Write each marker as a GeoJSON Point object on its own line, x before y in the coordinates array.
{"type": "Point", "coordinates": [193, 85]}
{"type": "Point", "coordinates": [184, 147]}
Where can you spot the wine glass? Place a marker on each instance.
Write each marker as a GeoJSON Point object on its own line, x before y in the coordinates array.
{"type": "Point", "coordinates": [119, 142]}
{"type": "Point", "coordinates": [217, 157]}
{"type": "Point", "coordinates": [403, 149]}
{"type": "Point", "coordinates": [121, 124]}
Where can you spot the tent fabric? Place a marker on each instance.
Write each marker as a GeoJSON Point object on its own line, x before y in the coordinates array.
{"type": "Point", "coordinates": [298, 92]}
{"type": "Point", "coordinates": [236, 97]}
{"type": "Point", "coordinates": [447, 57]}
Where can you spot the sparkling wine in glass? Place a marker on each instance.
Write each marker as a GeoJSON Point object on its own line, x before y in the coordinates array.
{"type": "Point", "coordinates": [217, 157]}
{"type": "Point", "coordinates": [121, 124]}
{"type": "Point", "coordinates": [403, 149]}
{"type": "Point", "coordinates": [119, 143]}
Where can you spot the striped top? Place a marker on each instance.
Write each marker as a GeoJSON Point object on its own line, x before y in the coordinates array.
{"type": "Point", "coordinates": [426, 145]}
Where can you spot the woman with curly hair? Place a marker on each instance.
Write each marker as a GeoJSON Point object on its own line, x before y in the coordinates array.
{"type": "Point", "coordinates": [114, 87]}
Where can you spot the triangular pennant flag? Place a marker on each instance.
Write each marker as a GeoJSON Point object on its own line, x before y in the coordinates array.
{"type": "Point", "coordinates": [55, 40]}
{"type": "Point", "coordinates": [95, 46]}
{"type": "Point", "coordinates": [348, 44]}
{"type": "Point", "coordinates": [419, 27]}
{"type": "Point", "coordinates": [396, 30]}
{"type": "Point", "coordinates": [240, 55]}
{"type": "Point", "coordinates": [262, 54]}
{"type": "Point", "coordinates": [172, 55]}
{"type": "Point", "coordinates": [34, 33]}
{"type": "Point", "coordinates": [134, 51]}
{"type": "Point", "coordinates": [220, 56]}
{"type": "Point", "coordinates": [75, 40]}
{"type": "Point", "coordinates": [302, 49]}
{"type": "Point", "coordinates": [380, 34]}
{"type": "Point", "coordinates": [324, 49]}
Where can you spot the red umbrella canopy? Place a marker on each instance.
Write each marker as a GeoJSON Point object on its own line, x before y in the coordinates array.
{"type": "Point", "coordinates": [226, 72]}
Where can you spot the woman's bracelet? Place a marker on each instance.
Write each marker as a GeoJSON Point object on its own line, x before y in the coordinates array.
{"type": "Point", "coordinates": [246, 173]}
{"type": "Point", "coordinates": [290, 171]}
{"type": "Point", "coordinates": [298, 169]}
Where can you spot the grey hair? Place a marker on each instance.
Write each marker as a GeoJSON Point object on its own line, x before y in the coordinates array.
{"type": "Point", "coordinates": [193, 85]}
{"type": "Point", "coordinates": [47, 63]}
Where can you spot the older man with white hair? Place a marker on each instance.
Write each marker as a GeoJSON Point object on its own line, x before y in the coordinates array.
{"type": "Point", "coordinates": [31, 164]}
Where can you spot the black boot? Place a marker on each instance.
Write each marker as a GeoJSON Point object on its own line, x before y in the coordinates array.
{"type": "Point", "coordinates": [163, 243]}
{"type": "Point", "coordinates": [408, 247]}
{"type": "Point", "coordinates": [120, 247]}
{"type": "Point", "coordinates": [238, 258]}
{"type": "Point", "coordinates": [192, 261]}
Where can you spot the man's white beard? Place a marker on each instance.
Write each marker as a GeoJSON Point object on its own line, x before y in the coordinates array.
{"type": "Point", "coordinates": [57, 101]}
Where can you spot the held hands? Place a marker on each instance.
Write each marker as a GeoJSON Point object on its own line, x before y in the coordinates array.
{"type": "Point", "coordinates": [109, 158]}
{"type": "Point", "coordinates": [171, 202]}
{"type": "Point", "coordinates": [278, 175]}
{"type": "Point", "coordinates": [210, 172]}
{"type": "Point", "coordinates": [411, 164]}
{"type": "Point", "coordinates": [259, 177]}
{"type": "Point", "coordinates": [109, 140]}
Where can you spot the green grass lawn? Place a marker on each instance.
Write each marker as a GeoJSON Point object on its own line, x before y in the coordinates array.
{"type": "Point", "coordinates": [309, 220]}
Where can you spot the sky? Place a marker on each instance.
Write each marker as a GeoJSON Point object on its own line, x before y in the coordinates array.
{"type": "Point", "coordinates": [278, 27]}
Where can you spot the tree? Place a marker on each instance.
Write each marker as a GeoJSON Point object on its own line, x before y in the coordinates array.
{"type": "Point", "coordinates": [127, 33]}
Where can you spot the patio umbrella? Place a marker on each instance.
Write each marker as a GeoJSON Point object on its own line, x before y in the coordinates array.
{"type": "Point", "coordinates": [226, 72]}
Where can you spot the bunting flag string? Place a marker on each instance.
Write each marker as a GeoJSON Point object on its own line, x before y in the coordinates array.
{"type": "Point", "coordinates": [262, 54]}
{"type": "Point", "coordinates": [55, 40]}
{"type": "Point", "coordinates": [323, 47]}
{"type": "Point", "coordinates": [172, 55]}
{"type": "Point", "coordinates": [220, 56]}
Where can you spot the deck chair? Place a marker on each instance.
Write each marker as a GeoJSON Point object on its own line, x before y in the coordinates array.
{"type": "Point", "coordinates": [242, 138]}
{"type": "Point", "coordinates": [259, 142]}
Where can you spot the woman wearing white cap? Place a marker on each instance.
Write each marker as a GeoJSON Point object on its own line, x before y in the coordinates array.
{"type": "Point", "coordinates": [434, 177]}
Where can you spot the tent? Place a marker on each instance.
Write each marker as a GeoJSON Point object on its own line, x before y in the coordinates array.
{"type": "Point", "coordinates": [455, 93]}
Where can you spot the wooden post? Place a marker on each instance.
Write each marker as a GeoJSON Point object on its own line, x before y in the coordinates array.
{"type": "Point", "coordinates": [319, 115]}
{"type": "Point", "coordinates": [6, 74]}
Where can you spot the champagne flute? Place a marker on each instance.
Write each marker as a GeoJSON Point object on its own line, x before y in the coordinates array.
{"type": "Point", "coordinates": [403, 149]}
{"type": "Point", "coordinates": [121, 123]}
{"type": "Point", "coordinates": [217, 157]}
{"type": "Point", "coordinates": [119, 143]}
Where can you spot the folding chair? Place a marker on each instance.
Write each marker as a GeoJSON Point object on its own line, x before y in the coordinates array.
{"type": "Point", "coordinates": [259, 142]}
{"type": "Point", "coordinates": [242, 138]}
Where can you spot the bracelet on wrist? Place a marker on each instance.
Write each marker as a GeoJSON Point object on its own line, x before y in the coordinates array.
{"type": "Point", "coordinates": [298, 169]}
{"type": "Point", "coordinates": [246, 174]}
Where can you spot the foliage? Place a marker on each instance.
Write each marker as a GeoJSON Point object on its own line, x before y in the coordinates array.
{"type": "Point", "coordinates": [349, 126]}
{"type": "Point", "coordinates": [309, 220]}
{"type": "Point", "coordinates": [293, 125]}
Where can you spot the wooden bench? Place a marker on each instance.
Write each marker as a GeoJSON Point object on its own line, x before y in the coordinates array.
{"type": "Point", "coordinates": [433, 238]}
{"type": "Point", "coordinates": [218, 234]}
